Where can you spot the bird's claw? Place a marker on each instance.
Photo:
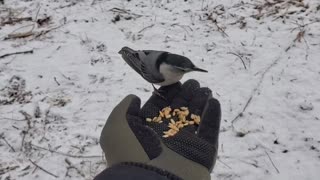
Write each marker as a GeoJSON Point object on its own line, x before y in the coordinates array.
{"type": "Point", "coordinates": [158, 93]}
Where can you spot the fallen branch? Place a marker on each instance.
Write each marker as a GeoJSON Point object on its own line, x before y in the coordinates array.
{"type": "Point", "coordinates": [44, 170]}
{"type": "Point", "coordinates": [14, 53]}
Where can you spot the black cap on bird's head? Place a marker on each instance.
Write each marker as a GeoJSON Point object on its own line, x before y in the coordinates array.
{"type": "Point", "coordinates": [182, 63]}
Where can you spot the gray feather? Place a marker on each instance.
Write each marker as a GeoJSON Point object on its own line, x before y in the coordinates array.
{"type": "Point", "coordinates": [144, 63]}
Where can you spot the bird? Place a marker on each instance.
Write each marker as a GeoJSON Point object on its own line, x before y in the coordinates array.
{"type": "Point", "coordinates": [158, 67]}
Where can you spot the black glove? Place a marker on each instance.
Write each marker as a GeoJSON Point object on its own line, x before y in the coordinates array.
{"type": "Point", "coordinates": [128, 139]}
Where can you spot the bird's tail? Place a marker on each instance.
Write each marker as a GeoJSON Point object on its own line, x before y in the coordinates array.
{"type": "Point", "coordinates": [132, 58]}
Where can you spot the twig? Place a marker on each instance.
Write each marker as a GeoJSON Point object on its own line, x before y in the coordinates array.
{"type": "Point", "coordinates": [27, 117]}
{"type": "Point", "coordinates": [218, 27]}
{"type": "Point", "coordinates": [45, 32]}
{"type": "Point", "coordinates": [71, 166]}
{"type": "Point", "coordinates": [225, 164]}
{"type": "Point", "coordinates": [55, 79]}
{"type": "Point", "coordinates": [19, 35]}
{"type": "Point", "coordinates": [244, 65]}
{"type": "Point", "coordinates": [93, 2]}
{"type": "Point", "coordinates": [11, 119]}
{"type": "Point", "coordinates": [21, 52]}
{"type": "Point", "coordinates": [64, 154]}
{"type": "Point", "coordinates": [36, 18]}
{"type": "Point", "coordinates": [124, 11]}
{"type": "Point", "coordinates": [272, 162]}
{"type": "Point", "coordinates": [16, 20]}
{"type": "Point", "coordinates": [243, 110]}
{"type": "Point", "coordinates": [5, 37]}
{"type": "Point", "coordinates": [68, 5]}
{"type": "Point", "coordinates": [146, 28]}
{"type": "Point", "coordinates": [183, 27]}
{"type": "Point", "coordinates": [7, 169]}
{"type": "Point", "coordinates": [249, 163]}
{"type": "Point", "coordinates": [41, 168]}
{"type": "Point", "coordinates": [254, 91]}
{"type": "Point", "coordinates": [4, 139]}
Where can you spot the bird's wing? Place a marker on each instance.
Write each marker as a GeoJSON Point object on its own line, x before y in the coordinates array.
{"type": "Point", "coordinates": [143, 62]}
{"type": "Point", "coordinates": [149, 66]}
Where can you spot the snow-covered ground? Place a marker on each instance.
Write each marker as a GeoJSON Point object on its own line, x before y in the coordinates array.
{"type": "Point", "coordinates": [263, 61]}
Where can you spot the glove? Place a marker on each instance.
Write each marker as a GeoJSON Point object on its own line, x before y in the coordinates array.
{"type": "Point", "coordinates": [190, 154]}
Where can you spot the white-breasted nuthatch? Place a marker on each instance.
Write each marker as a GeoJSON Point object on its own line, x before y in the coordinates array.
{"type": "Point", "coordinates": [158, 67]}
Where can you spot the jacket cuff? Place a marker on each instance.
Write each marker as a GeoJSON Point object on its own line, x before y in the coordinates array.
{"type": "Point", "coordinates": [135, 171]}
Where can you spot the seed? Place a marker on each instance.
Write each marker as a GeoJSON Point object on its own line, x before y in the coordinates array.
{"type": "Point", "coordinates": [182, 118]}
{"type": "Point", "coordinates": [161, 114]}
{"type": "Point", "coordinates": [165, 136]}
{"type": "Point", "coordinates": [191, 122]}
{"type": "Point", "coordinates": [173, 127]}
{"type": "Point", "coordinates": [172, 121]}
{"type": "Point", "coordinates": [183, 108]}
{"type": "Point", "coordinates": [180, 126]}
{"type": "Point", "coordinates": [197, 121]}
{"type": "Point", "coordinates": [148, 119]}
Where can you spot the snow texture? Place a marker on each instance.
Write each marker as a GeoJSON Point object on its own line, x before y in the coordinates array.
{"type": "Point", "coordinates": [61, 75]}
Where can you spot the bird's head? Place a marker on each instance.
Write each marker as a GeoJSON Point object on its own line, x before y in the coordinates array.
{"type": "Point", "coordinates": [181, 63]}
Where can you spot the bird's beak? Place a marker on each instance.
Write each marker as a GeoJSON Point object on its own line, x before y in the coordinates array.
{"type": "Point", "coordinates": [126, 50]}
{"type": "Point", "coordinates": [198, 69]}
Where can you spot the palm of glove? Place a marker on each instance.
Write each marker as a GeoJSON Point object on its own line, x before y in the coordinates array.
{"type": "Point", "coordinates": [195, 142]}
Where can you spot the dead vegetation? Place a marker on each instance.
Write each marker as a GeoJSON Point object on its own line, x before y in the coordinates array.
{"type": "Point", "coordinates": [282, 9]}
{"type": "Point", "coordinates": [35, 28]}
{"type": "Point", "coordinates": [15, 92]}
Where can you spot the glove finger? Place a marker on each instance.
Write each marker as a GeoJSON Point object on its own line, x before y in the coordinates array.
{"type": "Point", "coordinates": [149, 110]}
{"type": "Point", "coordinates": [199, 101]}
{"type": "Point", "coordinates": [186, 93]}
{"type": "Point", "coordinates": [134, 106]}
{"type": "Point", "coordinates": [192, 147]}
{"type": "Point", "coordinates": [148, 139]}
{"type": "Point", "coordinates": [210, 122]}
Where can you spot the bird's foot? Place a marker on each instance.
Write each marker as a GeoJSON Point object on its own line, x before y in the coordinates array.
{"type": "Point", "coordinates": [158, 93]}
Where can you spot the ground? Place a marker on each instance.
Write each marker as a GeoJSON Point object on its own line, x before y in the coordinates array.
{"type": "Point", "coordinates": [61, 75]}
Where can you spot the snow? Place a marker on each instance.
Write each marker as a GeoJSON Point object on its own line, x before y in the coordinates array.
{"type": "Point", "coordinates": [76, 77]}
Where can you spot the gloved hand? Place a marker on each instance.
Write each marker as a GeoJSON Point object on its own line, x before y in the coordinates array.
{"type": "Point", "coordinates": [189, 155]}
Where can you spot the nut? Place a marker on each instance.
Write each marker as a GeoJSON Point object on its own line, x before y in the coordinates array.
{"type": "Point", "coordinates": [176, 119]}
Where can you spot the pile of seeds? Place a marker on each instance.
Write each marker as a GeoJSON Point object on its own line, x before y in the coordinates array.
{"type": "Point", "coordinates": [166, 114]}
